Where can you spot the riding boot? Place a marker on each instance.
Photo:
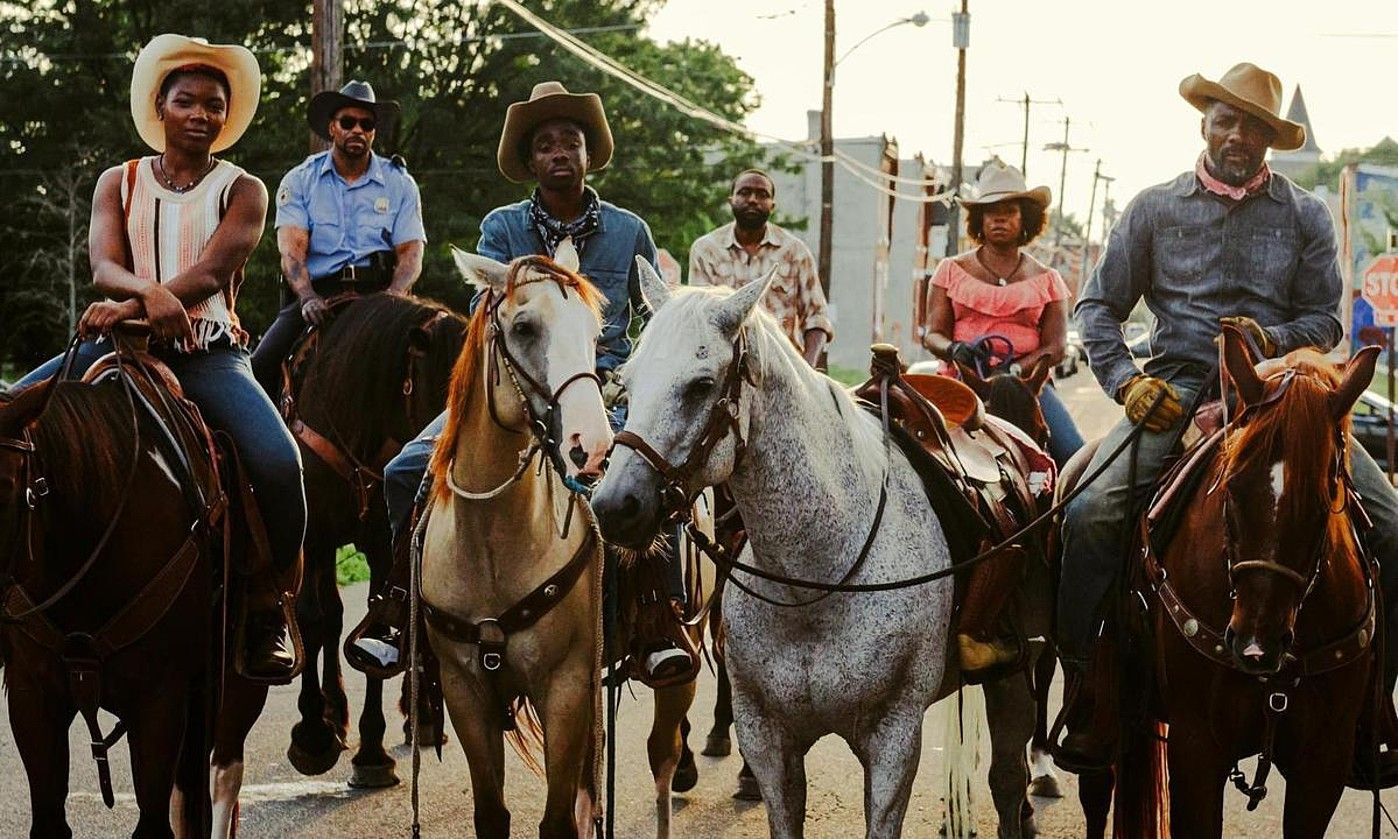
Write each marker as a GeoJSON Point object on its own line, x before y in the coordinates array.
{"type": "Point", "coordinates": [375, 646]}
{"type": "Point", "coordinates": [1090, 712]}
{"type": "Point", "coordinates": [269, 649]}
{"type": "Point", "coordinates": [1372, 734]}
{"type": "Point", "coordinates": [985, 650]}
{"type": "Point", "coordinates": [664, 653]}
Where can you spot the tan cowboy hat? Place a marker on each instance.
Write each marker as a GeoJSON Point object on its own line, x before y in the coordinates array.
{"type": "Point", "coordinates": [169, 52]}
{"type": "Point", "coordinates": [551, 100]}
{"type": "Point", "coordinates": [1000, 182]}
{"type": "Point", "coordinates": [1252, 89]}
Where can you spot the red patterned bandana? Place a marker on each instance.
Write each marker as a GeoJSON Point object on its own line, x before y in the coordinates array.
{"type": "Point", "coordinates": [1254, 185]}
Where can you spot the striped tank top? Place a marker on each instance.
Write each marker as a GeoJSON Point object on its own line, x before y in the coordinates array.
{"type": "Point", "coordinates": [166, 232]}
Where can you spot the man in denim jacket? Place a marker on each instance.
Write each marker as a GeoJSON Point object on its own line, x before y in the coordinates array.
{"type": "Point", "coordinates": [554, 139]}
{"type": "Point", "coordinates": [1228, 242]}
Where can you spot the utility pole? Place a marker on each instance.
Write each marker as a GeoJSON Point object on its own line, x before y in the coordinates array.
{"type": "Point", "coordinates": [327, 60]}
{"type": "Point", "coordinates": [960, 39]}
{"type": "Point", "coordinates": [1087, 229]}
{"type": "Point", "coordinates": [1062, 181]}
{"type": "Point", "coordinates": [1027, 101]}
{"type": "Point", "coordinates": [827, 152]}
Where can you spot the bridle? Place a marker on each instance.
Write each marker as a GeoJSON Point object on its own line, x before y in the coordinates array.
{"type": "Point", "coordinates": [676, 493]}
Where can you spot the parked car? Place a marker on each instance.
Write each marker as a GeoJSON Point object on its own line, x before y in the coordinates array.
{"type": "Point", "coordinates": [1369, 425]}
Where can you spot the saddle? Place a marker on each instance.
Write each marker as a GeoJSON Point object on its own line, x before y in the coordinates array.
{"type": "Point", "coordinates": [999, 475]}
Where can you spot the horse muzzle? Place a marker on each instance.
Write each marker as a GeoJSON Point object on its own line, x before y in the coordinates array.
{"type": "Point", "coordinates": [1256, 656]}
{"type": "Point", "coordinates": [628, 511]}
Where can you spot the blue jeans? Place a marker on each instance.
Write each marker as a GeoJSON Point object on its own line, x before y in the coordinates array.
{"type": "Point", "coordinates": [405, 482]}
{"type": "Point", "coordinates": [221, 383]}
{"type": "Point", "coordinates": [1064, 437]}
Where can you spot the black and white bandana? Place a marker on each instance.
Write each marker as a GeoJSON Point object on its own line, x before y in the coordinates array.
{"type": "Point", "coordinates": [552, 231]}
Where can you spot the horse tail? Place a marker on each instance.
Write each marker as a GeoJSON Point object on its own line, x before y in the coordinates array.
{"type": "Point", "coordinates": [1142, 804]}
{"type": "Point", "coordinates": [961, 752]}
{"type": "Point", "coordinates": [527, 737]}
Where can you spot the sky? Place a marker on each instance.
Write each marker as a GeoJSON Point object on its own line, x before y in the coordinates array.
{"type": "Point", "coordinates": [1115, 65]}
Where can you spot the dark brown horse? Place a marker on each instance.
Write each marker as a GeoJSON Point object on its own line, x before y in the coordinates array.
{"type": "Point", "coordinates": [111, 545]}
{"type": "Point", "coordinates": [1261, 611]}
{"type": "Point", "coordinates": [375, 376]}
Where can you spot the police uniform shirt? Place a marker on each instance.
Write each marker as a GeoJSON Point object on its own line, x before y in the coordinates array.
{"type": "Point", "coordinates": [348, 222]}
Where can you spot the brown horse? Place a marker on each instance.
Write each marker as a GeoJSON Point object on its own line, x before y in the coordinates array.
{"type": "Point", "coordinates": [1261, 609]}
{"type": "Point", "coordinates": [111, 543]}
{"type": "Point", "coordinates": [370, 381]}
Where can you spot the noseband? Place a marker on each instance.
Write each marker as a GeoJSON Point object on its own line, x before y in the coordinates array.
{"type": "Point", "coordinates": [676, 494]}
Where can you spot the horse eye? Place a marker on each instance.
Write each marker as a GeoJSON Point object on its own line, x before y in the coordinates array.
{"type": "Point", "coordinates": [699, 388]}
{"type": "Point", "coordinates": [522, 329]}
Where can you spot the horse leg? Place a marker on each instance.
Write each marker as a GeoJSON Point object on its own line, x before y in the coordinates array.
{"type": "Point", "coordinates": [314, 748]}
{"type": "Point", "coordinates": [477, 722]}
{"type": "Point", "coordinates": [1198, 771]}
{"type": "Point", "coordinates": [778, 760]}
{"type": "Point", "coordinates": [156, 732]}
{"type": "Point", "coordinates": [889, 752]}
{"type": "Point", "coordinates": [39, 721]}
{"type": "Point", "coordinates": [718, 743]}
{"type": "Point", "coordinates": [1009, 709]}
{"type": "Point", "coordinates": [373, 767]}
{"type": "Point", "coordinates": [665, 747]}
{"type": "Point", "coordinates": [1043, 777]}
{"type": "Point", "coordinates": [1095, 798]}
{"type": "Point", "coordinates": [566, 713]}
{"type": "Point", "coordinates": [242, 705]}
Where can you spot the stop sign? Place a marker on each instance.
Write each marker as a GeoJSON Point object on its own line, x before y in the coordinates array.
{"type": "Point", "coordinates": [1381, 284]}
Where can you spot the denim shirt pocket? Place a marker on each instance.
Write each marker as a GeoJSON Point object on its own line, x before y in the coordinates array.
{"type": "Point", "coordinates": [1270, 261]}
{"type": "Point", "coordinates": [1179, 256]}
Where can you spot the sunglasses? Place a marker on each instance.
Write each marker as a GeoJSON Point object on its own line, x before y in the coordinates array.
{"type": "Point", "coordinates": [367, 123]}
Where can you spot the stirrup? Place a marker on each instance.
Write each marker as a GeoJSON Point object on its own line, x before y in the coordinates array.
{"type": "Point", "coordinates": [370, 655]}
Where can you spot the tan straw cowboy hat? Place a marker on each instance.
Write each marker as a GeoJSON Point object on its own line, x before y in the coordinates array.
{"type": "Point", "coordinates": [551, 100]}
{"type": "Point", "coordinates": [1252, 89]}
{"type": "Point", "coordinates": [1000, 182]}
{"type": "Point", "coordinates": [166, 53]}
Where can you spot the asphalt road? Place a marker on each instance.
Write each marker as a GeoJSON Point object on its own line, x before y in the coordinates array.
{"type": "Point", "coordinates": [278, 802]}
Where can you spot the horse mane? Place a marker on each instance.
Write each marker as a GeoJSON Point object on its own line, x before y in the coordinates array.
{"type": "Point", "coordinates": [85, 432]}
{"type": "Point", "coordinates": [367, 344]}
{"type": "Point", "coordinates": [466, 374]}
{"type": "Point", "coordinates": [1299, 429]}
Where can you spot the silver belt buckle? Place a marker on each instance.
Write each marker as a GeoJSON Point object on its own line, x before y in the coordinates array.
{"type": "Point", "coordinates": [350, 274]}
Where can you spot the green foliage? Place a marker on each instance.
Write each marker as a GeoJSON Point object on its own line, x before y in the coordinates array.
{"type": "Point", "coordinates": [1384, 153]}
{"type": "Point", "coordinates": [351, 566]}
{"type": "Point", "coordinates": [65, 69]}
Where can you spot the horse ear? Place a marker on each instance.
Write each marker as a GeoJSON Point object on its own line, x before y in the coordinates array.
{"type": "Point", "coordinates": [1038, 376]}
{"type": "Point", "coordinates": [1241, 366]}
{"type": "Point", "coordinates": [566, 254]}
{"type": "Point", "coordinates": [653, 286]}
{"type": "Point", "coordinates": [973, 380]}
{"type": "Point", "coordinates": [1358, 373]}
{"type": "Point", "coordinates": [734, 311]}
{"type": "Point", "coordinates": [480, 271]}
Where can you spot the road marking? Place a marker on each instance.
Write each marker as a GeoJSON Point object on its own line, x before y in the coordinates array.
{"type": "Point", "coordinates": [254, 793]}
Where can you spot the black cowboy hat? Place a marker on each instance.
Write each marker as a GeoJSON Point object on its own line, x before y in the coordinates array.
{"type": "Point", "coordinates": [355, 94]}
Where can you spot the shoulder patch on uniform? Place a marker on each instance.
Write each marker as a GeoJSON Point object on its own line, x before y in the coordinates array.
{"type": "Point", "coordinates": [283, 195]}
{"type": "Point", "coordinates": [397, 160]}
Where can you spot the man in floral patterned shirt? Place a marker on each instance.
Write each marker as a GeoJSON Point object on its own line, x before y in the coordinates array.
{"type": "Point", "coordinates": [747, 248]}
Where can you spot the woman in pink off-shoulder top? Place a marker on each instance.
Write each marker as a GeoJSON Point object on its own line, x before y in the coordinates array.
{"type": "Point", "coordinates": [998, 289]}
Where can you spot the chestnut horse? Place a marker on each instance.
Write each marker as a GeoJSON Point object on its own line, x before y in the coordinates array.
{"type": "Point", "coordinates": [1261, 609]}
{"type": "Point", "coordinates": [376, 374]}
{"type": "Point", "coordinates": [111, 541]}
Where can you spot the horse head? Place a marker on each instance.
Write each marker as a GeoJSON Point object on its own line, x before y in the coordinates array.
{"type": "Point", "coordinates": [1014, 397]}
{"type": "Point", "coordinates": [1283, 481]}
{"type": "Point", "coordinates": [535, 332]}
{"type": "Point", "coordinates": [686, 412]}
{"type": "Point", "coordinates": [17, 478]}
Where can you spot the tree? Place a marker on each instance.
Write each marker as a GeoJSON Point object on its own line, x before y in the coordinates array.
{"type": "Point", "coordinates": [1384, 153]}
{"type": "Point", "coordinates": [454, 65]}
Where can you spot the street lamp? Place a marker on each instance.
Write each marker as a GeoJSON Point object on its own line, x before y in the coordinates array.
{"type": "Point", "coordinates": [827, 138]}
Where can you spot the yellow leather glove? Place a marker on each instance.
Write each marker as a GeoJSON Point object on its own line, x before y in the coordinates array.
{"type": "Point", "coordinates": [1255, 331]}
{"type": "Point", "coordinates": [1139, 393]}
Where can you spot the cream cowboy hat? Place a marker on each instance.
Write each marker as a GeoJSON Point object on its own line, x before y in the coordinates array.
{"type": "Point", "coordinates": [169, 52]}
{"type": "Point", "coordinates": [1252, 89]}
{"type": "Point", "coordinates": [551, 100]}
{"type": "Point", "coordinates": [1000, 182]}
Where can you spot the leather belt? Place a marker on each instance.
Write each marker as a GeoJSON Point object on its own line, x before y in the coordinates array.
{"type": "Point", "coordinates": [367, 274]}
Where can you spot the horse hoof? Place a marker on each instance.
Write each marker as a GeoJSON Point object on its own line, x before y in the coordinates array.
{"type": "Point", "coordinates": [748, 790]}
{"type": "Point", "coordinates": [686, 773]}
{"type": "Point", "coordinates": [308, 762]}
{"type": "Point", "coordinates": [717, 745]}
{"type": "Point", "coordinates": [1045, 786]}
{"type": "Point", "coordinates": [373, 776]}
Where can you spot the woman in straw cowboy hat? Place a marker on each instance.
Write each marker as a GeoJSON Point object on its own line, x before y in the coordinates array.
{"type": "Point", "coordinates": [170, 234]}
{"type": "Point", "coordinates": [996, 289]}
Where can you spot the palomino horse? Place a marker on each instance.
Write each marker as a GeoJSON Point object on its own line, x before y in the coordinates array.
{"type": "Point", "coordinates": [715, 387]}
{"type": "Point", "coordinates": [1261, 609]}
{"type": "Point", "coordinates": [374, 376]}
{"type": "Point", "coordinates": [111, 520]}
{"type": "Point", "coordinates": [511, 561]}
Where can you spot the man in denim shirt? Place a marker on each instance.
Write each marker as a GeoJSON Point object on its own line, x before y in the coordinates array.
{"type": "Point", "coordinates": [1229, 241]}
{"type": "Point", "coordinates": [555, 139]}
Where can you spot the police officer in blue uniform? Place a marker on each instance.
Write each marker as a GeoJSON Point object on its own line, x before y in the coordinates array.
{"type": "Point", "coordinates": [347, 220]}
